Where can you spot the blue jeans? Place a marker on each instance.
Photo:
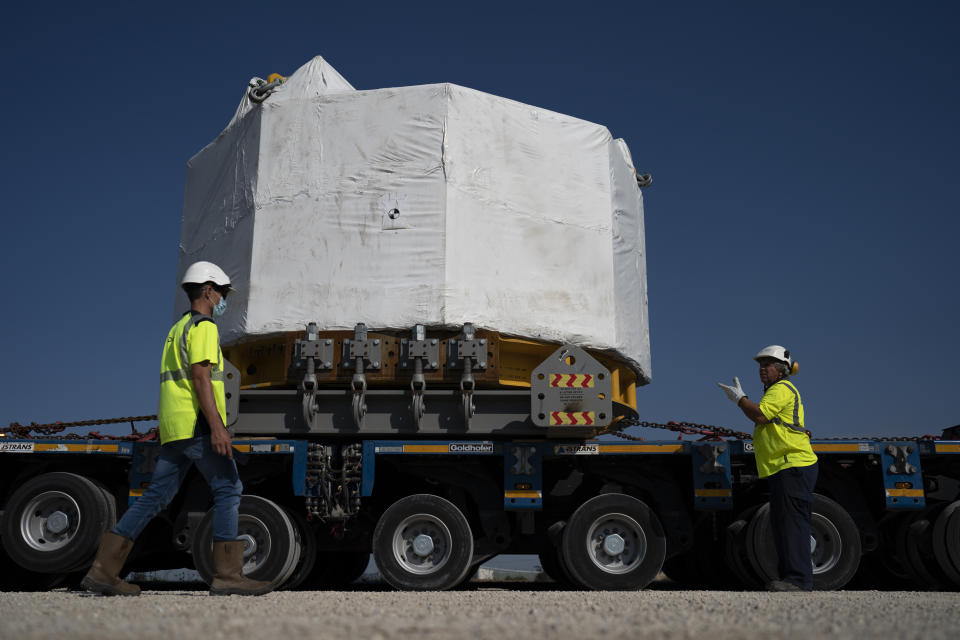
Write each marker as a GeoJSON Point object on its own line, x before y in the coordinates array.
{"type": "Point", "coordinates": [172, 465]}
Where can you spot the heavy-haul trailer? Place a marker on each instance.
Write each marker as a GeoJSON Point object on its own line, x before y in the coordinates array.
{"type": "Point", "coordinates": [434, 481]}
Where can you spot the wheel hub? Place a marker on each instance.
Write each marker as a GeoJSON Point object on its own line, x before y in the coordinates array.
{"type": "Point", "coordinates": [826, 545]}
{"type": "Point", "coordinates": [613, 544]}
{"type": "Point", "coordinates": [423, 545]}
{"type": "Point", "coordinates": [57, 522]}
{"type": "Point", "coordinates": [249, 545]}
{"type": "Point", "coordinates": [616, 543]}
{"type": "Point", "coordinates": [49, 521]}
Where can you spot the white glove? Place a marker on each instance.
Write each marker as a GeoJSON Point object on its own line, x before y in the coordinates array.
{"type": "Point", "coordinates": [735, 393]}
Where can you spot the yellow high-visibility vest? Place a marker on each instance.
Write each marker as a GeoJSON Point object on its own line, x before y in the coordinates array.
{"type": "Point", "coordinates": [782, 442]}
{"type": "Point", "coordinates": [193, 339]}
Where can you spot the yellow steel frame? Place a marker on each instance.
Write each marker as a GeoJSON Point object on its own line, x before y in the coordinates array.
{"type": "Point", "coordinates": [262, 363]}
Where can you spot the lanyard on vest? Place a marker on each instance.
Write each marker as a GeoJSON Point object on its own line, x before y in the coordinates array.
{"type": "Point", "coordinates": [796, 409]}
{"type": "Point", "coordinates": [185, 372]}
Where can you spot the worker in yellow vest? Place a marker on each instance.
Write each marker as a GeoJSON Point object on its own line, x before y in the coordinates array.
{"type": "Point", "coordinates": [192, 416]}
{"type": "Point", "coordinates": [783, 455]}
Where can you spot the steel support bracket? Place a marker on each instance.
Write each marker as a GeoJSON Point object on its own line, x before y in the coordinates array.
{"type": "Point", "coordinates": [360, 353]}
{"type": "Point", "coordinates": [902, 479]}
{"type": "Point", "coordinates": [231, 389]}
{"type": "Point", "coordinates": [712, 484]}
{"type": "Point", "coordinates": [320, 350]}
{"type": "Point", "coordinates": [467, 352]}
{"type": "Point", "coordinates": [523, 477]}
{"type": "Point", "coordinates": [570, 389]}
{"type": "Point", "coordinates": [420, 348]}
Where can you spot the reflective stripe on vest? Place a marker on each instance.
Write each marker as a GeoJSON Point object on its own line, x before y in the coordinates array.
{"type": "Point", "coordinates": [186, 373]}
{"type": "Point", "coordinates": [796, 409]}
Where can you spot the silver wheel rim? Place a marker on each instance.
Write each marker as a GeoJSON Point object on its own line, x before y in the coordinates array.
{"type": "Point", "coordinates": [422, 544]}
{"type": "Point", "coordinates": [257, 539]}
{"type": "Point", "coordinates": [826, 547]}
{"type": "Point", "coordinates": [616, 543]}
{"type": "Point", "coordinates": [50, 521]}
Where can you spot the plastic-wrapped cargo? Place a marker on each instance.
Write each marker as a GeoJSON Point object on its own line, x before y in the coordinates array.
{"type": "Point", "coordinates": [433, 204]}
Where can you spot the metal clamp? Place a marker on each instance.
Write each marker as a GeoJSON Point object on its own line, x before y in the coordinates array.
{"type": "Point", "coordinates": [467, 352]}
{"type": "Point", "coordinates": [317, 353]}
{"type": "Point", "coordinates": [360, 353]}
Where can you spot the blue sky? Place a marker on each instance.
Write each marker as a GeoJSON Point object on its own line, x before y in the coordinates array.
{"type": "Point", "coordinates": [802, 157]}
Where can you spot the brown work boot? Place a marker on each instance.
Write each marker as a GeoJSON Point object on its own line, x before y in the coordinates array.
{"type": "Point", "coordinates": [104, 575]}
{"type": "Point", "coordinates": [228, 577]}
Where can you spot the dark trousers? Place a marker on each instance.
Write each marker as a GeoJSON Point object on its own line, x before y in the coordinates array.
{"type": "Point", "coordinates": [791, 499]}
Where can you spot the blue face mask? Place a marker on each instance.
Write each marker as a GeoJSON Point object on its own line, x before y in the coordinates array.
{"type": "Point", "coordinates": [220, 307]}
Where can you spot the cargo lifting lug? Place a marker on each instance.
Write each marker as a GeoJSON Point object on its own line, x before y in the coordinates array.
{"type": "Point", "coordinates": [358, 353]}
{"type": "Point", "coordinates": [424, 354]}
{"type": "Point", "coordinates": [472, 352]}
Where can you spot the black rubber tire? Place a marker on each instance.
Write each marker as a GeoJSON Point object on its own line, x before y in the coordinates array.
{"type": "Point", "coordinates": [307, 540]}
{"type": "Point", "coordinates": [441, 522]}
{"type": "Point", "coordinates": [837, 558]}
{"type": "Point", "coordinates": [88, 515]}
{"type": "Point", "coordinates": [110, 502]}
{"type": "Point", "coordinates": [472, 571]}
{"type": "Point", "coordinates": [551, 562]}
{"type": "Point", "coordinates": [915, 549]}
{"type": "Point", "coordinates": [735, 550]}
{"type": "Point", "coordinates": [551, 557]}
{"type": "Point", "coordinates": [679, 569]}
{"type": "Point", "coordinates": [634, 523]}
{"type": "Point", "coordinates": [881, 569]}
{"type": "Point", "coordinates": [877, 573]}
{"type": "Point", "coordinates": [266, 522]}
{"type": "Point", "coordinates": [953, 538]}
{"type": "Point", "coordinates": [942, 542]}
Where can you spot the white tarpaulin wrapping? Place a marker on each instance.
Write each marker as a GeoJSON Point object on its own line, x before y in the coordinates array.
{"type": "Point", "coordinates": [434, 205]}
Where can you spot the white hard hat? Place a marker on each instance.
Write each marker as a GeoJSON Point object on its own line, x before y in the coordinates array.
{"type": "Point", "coordinates": [777, 352]}
{"type": "Point", "coordinates": [201, 272]}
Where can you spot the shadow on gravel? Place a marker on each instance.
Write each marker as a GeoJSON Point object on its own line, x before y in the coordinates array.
{"type": "Point", "coordinates": [200, 589]}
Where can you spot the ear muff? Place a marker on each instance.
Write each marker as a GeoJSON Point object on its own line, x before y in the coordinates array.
{"type": "Point", "coordinates": [794, 368]}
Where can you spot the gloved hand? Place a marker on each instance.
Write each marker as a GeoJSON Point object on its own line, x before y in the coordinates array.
{"type": "Point", "coordinates": [735, 393]}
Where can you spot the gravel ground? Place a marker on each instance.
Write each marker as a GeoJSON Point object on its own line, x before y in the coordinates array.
{"type": "Point", "coordinates": [489, 611]}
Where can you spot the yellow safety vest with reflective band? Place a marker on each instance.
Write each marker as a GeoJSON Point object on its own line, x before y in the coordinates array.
{"type": "Point", "coordinates": [194, 338]}
{"type": "Point", "coordinates": [782, 442]}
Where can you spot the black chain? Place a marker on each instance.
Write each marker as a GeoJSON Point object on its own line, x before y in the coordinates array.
{"type": "Point", "coordinates": [24, 431]}
{"type": "Point", "coordinates": [708, 431]}
{"type": "Point", "coordinates": [713, 432]}
{"type": "Point", "coordinates": [927, 436]}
